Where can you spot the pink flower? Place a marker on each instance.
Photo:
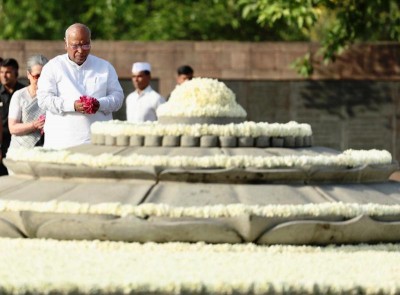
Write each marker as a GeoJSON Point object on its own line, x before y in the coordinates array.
{"type": "Point", "coordinates": [90, 104]}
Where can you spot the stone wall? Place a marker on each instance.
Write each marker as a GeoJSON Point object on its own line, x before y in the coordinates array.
{"type": "Point", "coordinates": [353, 103]}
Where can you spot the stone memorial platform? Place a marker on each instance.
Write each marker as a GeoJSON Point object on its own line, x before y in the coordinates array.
{"type": "Point", "coordinates": [202, 202]}
{"type": "Point", "coordinates": [313, 204]}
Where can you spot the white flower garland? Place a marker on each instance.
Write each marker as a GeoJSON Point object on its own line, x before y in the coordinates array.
{"type": "Point", "coordinates": [38, 266]}
{"type": "Point", "coordinates": [201, 97]}
{"type": "Point", "coordinates": [117, 128]}
{"type": "Point", "coordinates": [216, 211]}
{"type": "Point", "coordinates": [349, 158]}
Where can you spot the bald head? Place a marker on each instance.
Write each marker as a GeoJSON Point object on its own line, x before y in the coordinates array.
{"type": "Point", "coordinates": [77, 28]}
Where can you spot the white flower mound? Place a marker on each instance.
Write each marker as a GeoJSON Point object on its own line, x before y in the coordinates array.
{"type": "Point", "coordinates": [39, 267]}
{"type": "Point", "coordinates": [201, 97]}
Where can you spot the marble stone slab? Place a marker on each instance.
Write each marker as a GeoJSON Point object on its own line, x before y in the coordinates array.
{"type": "Point", "coordinates": [244, 228]}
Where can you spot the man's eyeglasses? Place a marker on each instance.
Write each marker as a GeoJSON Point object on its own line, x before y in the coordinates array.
{"type": "Point", "coordinates": [36, 77]}
{"type": "Point", "coordinates": [77, 46]}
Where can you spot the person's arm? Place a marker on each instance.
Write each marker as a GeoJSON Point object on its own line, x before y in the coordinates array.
{"type": "Point", "coordinates": [14, 116]}
{"type": "Point", "coordinates": [114, 98]}
{"type": "Point", "coordinates": [47, 93]}
{"type": "Point", "coordinates": [18, 128]}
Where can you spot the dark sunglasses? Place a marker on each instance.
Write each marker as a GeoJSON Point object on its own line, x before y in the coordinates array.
{"type": "Point", "coordinates": [35, 76]}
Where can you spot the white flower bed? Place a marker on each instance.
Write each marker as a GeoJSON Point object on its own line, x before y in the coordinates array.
{"type": "Point", "coordinates": [201, 97]}
{"type": "Point", "coordinates": [93, 267]}
{"type": "Point", "coordinates": [349, 158]}
{"type": "Point", "coordinates": [117, 128]}
{"type": "Point", "coordinates": [347, 210]}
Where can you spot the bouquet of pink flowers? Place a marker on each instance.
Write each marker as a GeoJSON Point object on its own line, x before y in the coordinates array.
{"type": "Point", "coordinates": [90, 104]}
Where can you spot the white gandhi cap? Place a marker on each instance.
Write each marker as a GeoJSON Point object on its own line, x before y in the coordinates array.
{"type": "Point", "coordinates": [138, 67]}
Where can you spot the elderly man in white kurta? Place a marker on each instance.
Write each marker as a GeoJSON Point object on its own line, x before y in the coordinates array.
{"type": "Point", "coordinates": [142, 104]}
{"type": "Point", "coordinates": [66, 78]}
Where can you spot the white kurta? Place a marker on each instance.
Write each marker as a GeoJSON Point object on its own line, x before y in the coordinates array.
{"type": "Point", "coordinates": [142, 107]}
{"type": "Point", "coordinates": [61, 83]}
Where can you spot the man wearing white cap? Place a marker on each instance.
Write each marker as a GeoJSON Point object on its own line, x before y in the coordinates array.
{"type": "Point", "coordinates": [141, 105]}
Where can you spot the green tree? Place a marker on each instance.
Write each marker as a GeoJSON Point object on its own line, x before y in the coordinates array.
{"type": "Point", "coordinates": [336, 24]}
{"type": "Point", "coordinates": [130, 20]}
{"type": "Point", "coordinates": [198, 20]}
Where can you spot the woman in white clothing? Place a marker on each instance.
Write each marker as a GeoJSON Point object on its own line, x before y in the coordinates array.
{"type": "Point", "coordinates": [25, 118]}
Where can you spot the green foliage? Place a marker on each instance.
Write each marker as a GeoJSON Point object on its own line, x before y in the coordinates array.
{"type": "Point", "coordinates": [130, 20]}
{"type": "Point", "coordinates": [361, 20]}
{"type": "Point", "coordinates": [297, 14]}
{"type": "Point", "coordinates": [335, 24]}
{"type": "Point", "coordinates": [303, 65]}
{"type": "Point", "coordinates": [353, 21]}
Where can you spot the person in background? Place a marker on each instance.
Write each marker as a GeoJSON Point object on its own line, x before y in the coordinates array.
{"type": "Point", "coordinates": [141, 105]}
{"type": "Point", "coordinates": [184, 73]}
{"type": "Point", "coordinates": [76, 89]}
{"type": "Point", "coordinates": [25, 118]}
{"type": "Point", "coordinates": [9, 84]}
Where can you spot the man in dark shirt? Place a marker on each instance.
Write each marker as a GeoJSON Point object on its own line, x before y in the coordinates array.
{"type": "Point", "coordinates": [9, 84]}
